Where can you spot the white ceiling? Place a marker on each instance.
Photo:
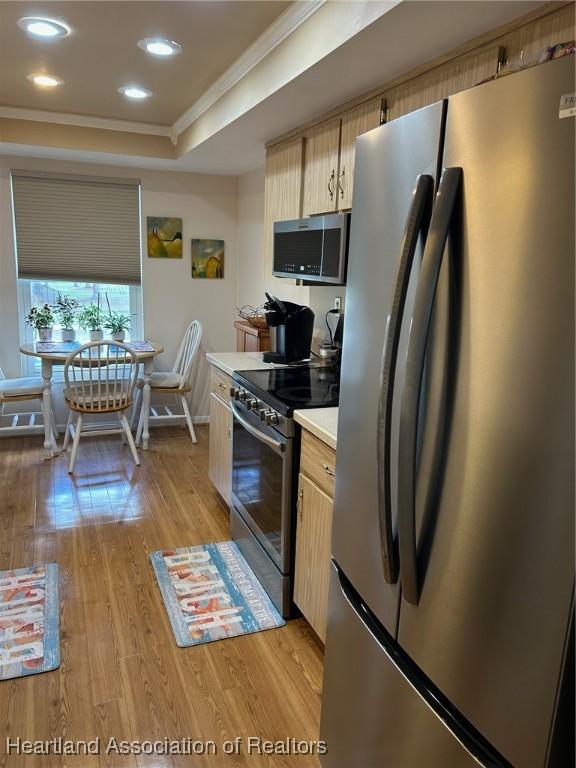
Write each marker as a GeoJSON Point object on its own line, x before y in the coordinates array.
{"type": "Point", "coordinates": [100, 54]}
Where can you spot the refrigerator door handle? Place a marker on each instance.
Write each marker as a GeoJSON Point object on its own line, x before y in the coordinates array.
{"type": "Point", "coordinates": [417, 224]}
{"type": "Point", "coordinates": [442, 216]}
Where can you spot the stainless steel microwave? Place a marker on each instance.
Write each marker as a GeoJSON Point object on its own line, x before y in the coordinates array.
{"type": "Point", "coordinates": [314, 249]}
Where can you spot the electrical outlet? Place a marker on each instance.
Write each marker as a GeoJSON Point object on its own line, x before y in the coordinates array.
{"type": "Point", "coordinates": [338, 303]}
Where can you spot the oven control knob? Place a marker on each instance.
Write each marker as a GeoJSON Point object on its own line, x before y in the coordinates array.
{"type": "Point", "coordinates": [242, 395]}
{"type": "Point", "coordinates": [271, 418]}
{"type": "Point", "coordinates": [234, 392]}
{"type": "Point", "coordinates": [252, 404]}
{"type": "Point", "coordinates": [262, 413]}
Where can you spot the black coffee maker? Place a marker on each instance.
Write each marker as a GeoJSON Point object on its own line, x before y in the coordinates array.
{"type": "Point", "coordinates": [291, 327]}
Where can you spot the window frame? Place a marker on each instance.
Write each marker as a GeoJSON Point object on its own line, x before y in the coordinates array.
{"type": "Point", "coordinates": [31, 366]}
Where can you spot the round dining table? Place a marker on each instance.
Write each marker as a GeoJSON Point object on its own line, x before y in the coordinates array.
{"type": "Point", "coordinates": [58, 357]}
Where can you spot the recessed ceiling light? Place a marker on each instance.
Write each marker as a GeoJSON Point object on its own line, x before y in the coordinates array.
{"type": "Point", "coordinates": [160, 46]}
{"type": "Point", "coordinates": [46, 28]}
{"type": "Point", "coordinates": [45, 81]}
{"type": "Point", "coordinates": [134, 92]}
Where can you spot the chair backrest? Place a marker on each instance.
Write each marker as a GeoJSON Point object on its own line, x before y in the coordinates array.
{"type": "Point", "coordinates": [100, 377]}
{"type": "Point", "coordinates": [187, 351]}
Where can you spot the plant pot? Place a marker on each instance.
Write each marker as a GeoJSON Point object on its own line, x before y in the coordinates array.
{"type": "Point", "coordinates": [96, 335]}
{"type": "Point", "coordinates": [68, 334]}
{"type": "Point", "coordinates": [44, 334]}
{"type": "Point", "coordinates": [119, 336]}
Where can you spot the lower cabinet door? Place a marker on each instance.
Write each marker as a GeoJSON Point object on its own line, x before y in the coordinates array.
{"type": "Point", "coordinates": [312, 571]}
{"type": "Point", "coordinates": [220, 453]}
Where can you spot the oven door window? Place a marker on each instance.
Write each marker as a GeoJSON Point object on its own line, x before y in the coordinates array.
{"type": "Point", "coordinates": [262, 489]}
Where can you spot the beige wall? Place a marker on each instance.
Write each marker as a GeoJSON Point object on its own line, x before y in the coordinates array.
{"type": "Point", "coordinates": [208, 207]}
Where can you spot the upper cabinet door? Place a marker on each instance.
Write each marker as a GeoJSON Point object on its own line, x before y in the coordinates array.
{"type": "Point", "coordinates": [354, 123]}
{"type": "Point", "coordinates": [321, 168]}
{"type": "Point", "coordinates": [459, 75]}
{"type": "Point", "coordinates": [283, 190]}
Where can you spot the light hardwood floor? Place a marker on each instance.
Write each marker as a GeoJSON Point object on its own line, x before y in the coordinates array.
{"type": "Point", "coordinates": [122, 674]}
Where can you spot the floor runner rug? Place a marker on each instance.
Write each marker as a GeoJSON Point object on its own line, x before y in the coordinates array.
{"type": "Point", "coordinates": [210, 593]}
{"type": "Point", "coordinates": [29, 621]}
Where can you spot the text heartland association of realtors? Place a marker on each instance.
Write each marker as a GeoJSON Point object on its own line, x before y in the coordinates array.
{"type": "Point", "coordinates": [252, 745]}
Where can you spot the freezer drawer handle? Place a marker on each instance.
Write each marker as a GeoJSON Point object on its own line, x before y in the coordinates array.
{"type": "Point", "coordinates": [442, 219]}
{"type": "Point", "coordinates": [416, 225]}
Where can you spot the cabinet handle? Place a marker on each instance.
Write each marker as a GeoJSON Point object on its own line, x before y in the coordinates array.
{"type": "Point", "coordinates": [328, 470]}
{"type": "Point", "coordinates": [299, 504]}
{"type": "Point", "coordinates": [341, 183]}
{"type": "Point", "coordinates": [330, 183]}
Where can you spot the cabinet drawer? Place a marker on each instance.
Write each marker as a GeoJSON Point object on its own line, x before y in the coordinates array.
{"type": "Point", "coordinates": [317, 462]}
{"type": "Point", "coordinates": [220, 384]}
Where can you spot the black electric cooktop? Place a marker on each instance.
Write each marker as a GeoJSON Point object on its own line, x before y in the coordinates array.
{"type": "Point", "coordinates": [290, 389]}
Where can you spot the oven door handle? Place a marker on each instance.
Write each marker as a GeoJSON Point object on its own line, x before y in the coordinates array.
{"type": "Point", "coordinates": [274, 444]}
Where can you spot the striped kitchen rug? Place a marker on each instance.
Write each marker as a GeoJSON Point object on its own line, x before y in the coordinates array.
{"type": "Point", "coordinates": [211, 593]}
{"type": "Point", "coordinates": [29, 621]}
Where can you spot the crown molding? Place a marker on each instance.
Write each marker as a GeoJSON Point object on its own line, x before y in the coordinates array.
{"type": "Point", "coordinates": [281, 28]}
{"type": "Point", "coordinates": [83, 121]}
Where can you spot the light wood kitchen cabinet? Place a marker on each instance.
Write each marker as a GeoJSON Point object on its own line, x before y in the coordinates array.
{"type": "Point", "coordinates": [321, 168]}
{"type": "Point", "coordinates": [314, 530]}
{"type": "Point", "coordinates": [433, 86]}
{"type": "Point", "coordinates": [329, 158]}
{"type": "Point", "coordinates": [355, 122]}
{"type": "Point", "coordinates": [312, 570]}
{"type": "Point", "coordinates": [220, 449]}
{"type": "Point", "coordinates": [282, 189]}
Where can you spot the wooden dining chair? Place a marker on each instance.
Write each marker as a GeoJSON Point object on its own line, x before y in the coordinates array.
{"type": "Point", "coordinates": [100, 378]}
{"type": "Point", "coordinates": [175, 382]}
{"type": "Point", "coordinates": [17, 391]}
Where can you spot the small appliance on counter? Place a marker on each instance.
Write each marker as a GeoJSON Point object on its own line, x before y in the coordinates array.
{"type": "Point", "coordinates": [331, 350]}
{"type": "Point", "coordinates": [291, 328]}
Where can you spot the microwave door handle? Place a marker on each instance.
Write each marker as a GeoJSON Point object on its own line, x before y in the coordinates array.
{"type": "Point", "coordinates": [440, 225]}
{"type": "Point", "coordinates": [269, 441]}
{"type": "Point", "coordinates": [416, 225]}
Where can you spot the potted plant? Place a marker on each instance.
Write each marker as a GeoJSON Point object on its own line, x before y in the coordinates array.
{"type": "Point", "coordinates": [90, 319]}
{"type": "Point", "coordinates": [42, 319]}
{"type": "Point", "coordinates": [66, 310]}
{"type": "Point", "coordinates": [117, 323]}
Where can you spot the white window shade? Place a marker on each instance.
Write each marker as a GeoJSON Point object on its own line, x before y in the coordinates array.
{"type": "Point", "coordinates": [77, 227]}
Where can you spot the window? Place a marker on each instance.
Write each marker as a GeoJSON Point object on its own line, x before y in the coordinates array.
{"type": "Point", "coordinates": [123, 298]}
{"type": "Point", "coordinates": [79, 236]}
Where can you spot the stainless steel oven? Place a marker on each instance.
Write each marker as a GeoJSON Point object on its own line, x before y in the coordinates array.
{"type": "Point", "coordinates": [262, 491]}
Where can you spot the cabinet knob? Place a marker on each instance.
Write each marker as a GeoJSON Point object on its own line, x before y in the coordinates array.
{"type": "Point", "coordinates": [328, 470]}
{"type": "Point", "coordinates": [299, 503]}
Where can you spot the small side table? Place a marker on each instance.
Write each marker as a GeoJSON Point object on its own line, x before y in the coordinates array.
{"type": "Point", "coordinates": [250, 339]}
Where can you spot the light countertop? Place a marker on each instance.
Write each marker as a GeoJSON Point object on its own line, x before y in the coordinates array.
{"type": "Point", "coordinates": [321, 422]}
{"type": "Point", "coordinates": [238, 361]}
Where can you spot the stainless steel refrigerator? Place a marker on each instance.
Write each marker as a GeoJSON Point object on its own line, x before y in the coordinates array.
{"type": "Point", "coordinates": [452, 581]}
